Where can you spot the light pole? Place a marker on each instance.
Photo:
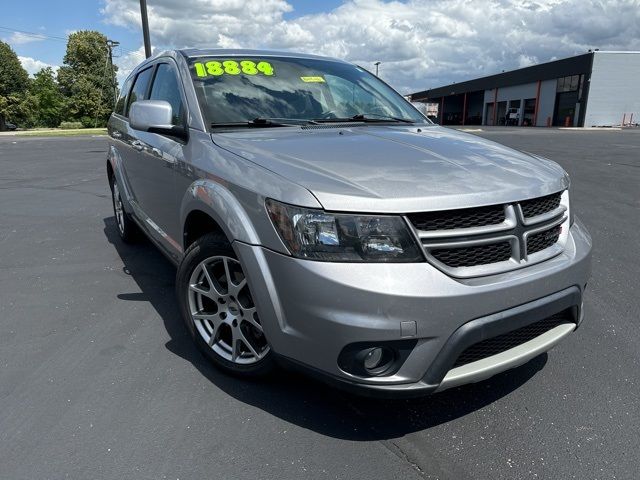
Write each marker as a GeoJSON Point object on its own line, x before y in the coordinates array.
{"type": "Point", "coordinates": [110, 45]}
{"type": "Point", "coordinates": [145, 28]}
{"type": "Point", "coordinates": [377, 64]}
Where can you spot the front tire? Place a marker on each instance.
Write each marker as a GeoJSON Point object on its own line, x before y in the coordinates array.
{"type": "Point", "coordinates": [218, 309]}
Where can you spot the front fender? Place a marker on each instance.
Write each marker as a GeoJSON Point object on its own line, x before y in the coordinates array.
{"type": "Point", "coordinates": [220, 204]}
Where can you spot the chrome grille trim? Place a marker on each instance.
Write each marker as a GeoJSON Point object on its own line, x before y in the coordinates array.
{"type": "Point", "coordinates": [510, 221]}
{"type": "Point", "coordinates": [545, 217]}
{"type": "Point", "coordinates": [515, 229]}
{"type": "Point", "coordinates": [542, 228]}
{"type": "Point", "coordinates": [539, 206]}
{"type": "Point", "coordinates": [458, 219]}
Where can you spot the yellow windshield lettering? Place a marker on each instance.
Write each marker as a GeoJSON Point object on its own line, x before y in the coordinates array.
{"type": "Point", "coordinates": [200, 70]}
{"type": "Point", "coordinates": [232, 67]}
{"type": "Point", "coordinates": [265, 68]}
{"type": "Point", "coordinates": [214, 68]}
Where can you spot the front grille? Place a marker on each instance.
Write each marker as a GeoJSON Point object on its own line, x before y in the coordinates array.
{"type": "Point", "coordinates": [472, 256]}
{"type": "Point", "coordinates": [487, 250]}
{"type": "Point", "coordinates": [538, 206]}
{"type": "Point", "coordinates": [539, 241]}
{"type": "Point", "coordinates": [506, 341]}
{"type": "Point", "coordinates": [451, 219]}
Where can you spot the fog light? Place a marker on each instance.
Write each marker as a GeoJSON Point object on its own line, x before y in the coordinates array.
{"type": "Point", "coordinates": [373, 358]}
{"type": "Point", "coordinates": [379, 359]}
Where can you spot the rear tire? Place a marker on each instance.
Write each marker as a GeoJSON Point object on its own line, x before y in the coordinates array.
{"type": "Point", "coordinates": [126, 227]}
{"type": "Point", "coordinates": [218, 310]}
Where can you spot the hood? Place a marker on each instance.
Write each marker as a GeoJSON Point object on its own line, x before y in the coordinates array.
{"type": "Point", "coordinates": [389, 169]}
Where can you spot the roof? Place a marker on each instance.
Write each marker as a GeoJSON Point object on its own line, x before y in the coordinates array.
{"type": "Point", "coordinates": [543, 71]}
{"type": "Point", "coordinates": [617, 51]}
{"type": "Point", "coordinates": [241, 52]}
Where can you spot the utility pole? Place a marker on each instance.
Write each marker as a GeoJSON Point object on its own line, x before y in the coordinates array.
{"type": "Point", "coordinates": [110, 45]}
{"type": "Point", "coordinates": [377, 64]}
{"type": "Point", "coordinates": [145, 28]}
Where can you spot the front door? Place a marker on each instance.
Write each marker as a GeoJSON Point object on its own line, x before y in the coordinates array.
{"type": "Point", "coordinates": [158, 158]}
{"type": "Point", "coordinates": [131, 145]}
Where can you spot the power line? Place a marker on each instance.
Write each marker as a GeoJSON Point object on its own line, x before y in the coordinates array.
{"type": "Point", "coordinates": [42, 36]}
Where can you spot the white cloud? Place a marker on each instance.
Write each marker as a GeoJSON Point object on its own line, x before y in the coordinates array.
{"type": "Point", "coordinates": [128, 62]}
{"type": "Point", "coordinates": [526, 60]}
{"type": "Point", "coordinates": [32, 65]}
{"type": "Point", "coordinates": [19, 38]}
{"type": "Point", "coordinates": [421, 44]}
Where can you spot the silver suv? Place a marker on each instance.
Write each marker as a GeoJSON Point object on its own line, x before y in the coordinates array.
{"type": "Point", "coordinates": [319, 221]}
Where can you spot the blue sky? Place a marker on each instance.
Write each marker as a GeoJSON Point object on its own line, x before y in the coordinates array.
{"type": "Point", "coordinates": [421, 43]}
{"type": "Point", "coordinates": [57, 18]}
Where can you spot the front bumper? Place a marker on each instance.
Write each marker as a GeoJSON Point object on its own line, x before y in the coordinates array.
{"type": "Point", "coordinates": [311, 310]}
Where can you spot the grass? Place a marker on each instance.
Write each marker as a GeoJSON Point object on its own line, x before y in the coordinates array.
{"type": "Point", "coordinates": [63, 133]}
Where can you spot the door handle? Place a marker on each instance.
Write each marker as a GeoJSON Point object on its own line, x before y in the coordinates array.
{"type": "Point", "coordinates": [157, 152]}
{"type": "Point", "coordinates": [138, 145]}
{"type": "Point", "coordinates": [116, 134]}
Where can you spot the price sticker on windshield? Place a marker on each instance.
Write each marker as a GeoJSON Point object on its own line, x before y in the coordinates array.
{"type": "Point", "coordinates": [217, 68]}
{"type": "Point", "coordinates": [312, 79]}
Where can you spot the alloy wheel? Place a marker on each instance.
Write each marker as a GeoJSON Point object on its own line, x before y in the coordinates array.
{"type": "Point", "coordinates": [223, 311]}
{"type": "Point", "coordinates": [117, 207]}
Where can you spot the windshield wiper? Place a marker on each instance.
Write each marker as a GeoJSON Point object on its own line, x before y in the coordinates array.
{"type": "Point", "coordinates": [265, 122]}
{"type": "Point", "coordinates": [366, 118]}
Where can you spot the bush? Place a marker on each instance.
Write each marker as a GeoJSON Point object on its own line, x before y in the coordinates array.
{"type": "Point", "coordinates": [91, 122]}
{"type": "Point", "coordinates": [71, 125]}
{"type": "Point", "coordinates": [88, 122]}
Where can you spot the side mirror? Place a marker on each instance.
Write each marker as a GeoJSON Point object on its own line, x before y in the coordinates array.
{"type": "Point", "coordinates": [151, 115]}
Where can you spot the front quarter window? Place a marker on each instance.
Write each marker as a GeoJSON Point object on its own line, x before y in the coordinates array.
{"type": "Point", "coordinates": [166, 87]}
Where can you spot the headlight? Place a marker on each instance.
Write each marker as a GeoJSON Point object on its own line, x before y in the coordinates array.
{"type": "Point", "coordinates": [318, 235]}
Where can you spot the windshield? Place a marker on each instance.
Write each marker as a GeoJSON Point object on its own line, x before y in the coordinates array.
{"type": "Point", "coordinates": [238, 90]}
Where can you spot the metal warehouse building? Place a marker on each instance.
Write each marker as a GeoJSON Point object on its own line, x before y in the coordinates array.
{"type": "Point", "coordinates": [594, 89]}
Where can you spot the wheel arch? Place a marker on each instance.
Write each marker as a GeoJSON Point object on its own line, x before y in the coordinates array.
{"type": "Point", "coordinates": [115, 172]}
{"type": "Point", "coordinates": [209, 206]}
{"type": "Point", "coordinates": [199, 223]}
{"type": "Point", "coordinates": [110, 169]}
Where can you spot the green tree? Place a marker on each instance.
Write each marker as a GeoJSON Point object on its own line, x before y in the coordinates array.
{"type": "Point", "coordinates": [14, 81]}
{"type": "Point", "coordinates": [49, 102]}
{"type": "Point", "coordinates": [87, 79]}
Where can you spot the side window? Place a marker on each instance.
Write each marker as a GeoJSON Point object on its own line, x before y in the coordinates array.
{"type": "Point", "coordinates": [122, 99]}
{"type": "Point", "coordinates": [166, 87]}
{"type": "Point", "coordinates": [139, 87]}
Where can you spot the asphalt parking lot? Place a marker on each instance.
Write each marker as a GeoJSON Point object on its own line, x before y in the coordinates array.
{"type": "Point", "coordinates": [99, 380]}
